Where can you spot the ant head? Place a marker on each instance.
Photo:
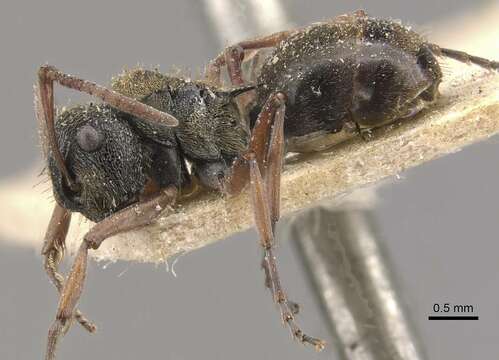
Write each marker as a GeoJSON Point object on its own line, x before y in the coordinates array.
{"type": "Point", "coordinates": [95, 159]}
{"type": "Point", "coordinates": [104, 158]}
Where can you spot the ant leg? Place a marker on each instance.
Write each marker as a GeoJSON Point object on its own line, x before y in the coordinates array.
{"type": "Point", "coordinates": [295, 307]}
{"type": "Point", "coordinates": [255, 63]}
{"type": "Point", "coordinates": [273, 161]}
{"type": "Point", "coordinates": [360, 13]}
{"type": "Point", "coordinates": [347, 18]}
{"type": "Point", "coordinates": [132, 217]}
{"type": "Point", "coordinates": [272, 154]}
{"type": "Point", "coordinates": [266, 151]}
{"type": "Point", "coordinates": [258, 146]}
{"type": "Point", "coordinates": [48, 74]}
{"type": "Point", "coordinates": [353, 127]}
{"type": "Point", "coordinates": [53, 251]}
{"type": "Point", "coordinates": [233, 56]}
{"type": "Point", "coordinates": [272, 178]}
{"type": "Point", "coordinates": [465, 57]}
{"type": "Point", "coordinates": [264, 226]}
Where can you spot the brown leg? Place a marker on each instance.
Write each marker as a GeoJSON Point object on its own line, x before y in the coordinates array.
{"type": "Point", "coordinates": [264, 227]}
{"type": "Point", "coordinates": [464, 57]}
{"type": "Point", "coordinates": [259, 145]}
{"type": "Point", "coordinates": [266, 152]}
{"type": "Point", "coordinates": [255, 64]}
{"type": "Point", "coordinates": [233, 56]}
{"type": "Point", "coordinates": [53, 251]}
{"type": "Point", "coordinates": [274, 161]}
{"type": "Point", "coordinates": [48, 74]}
{"type": "Point", "coordinates": [132, 217]}
{"type": "Point", "coordinates": [295, 308]}
{"type": "Point", "coordinates": [347, 18]}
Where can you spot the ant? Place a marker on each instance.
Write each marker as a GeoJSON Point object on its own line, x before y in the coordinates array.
{"type": "Point", "coordinates": [120, 163]}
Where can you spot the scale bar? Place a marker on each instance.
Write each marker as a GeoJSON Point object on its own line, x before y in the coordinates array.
{"type": "Point", "coordinates": [452, 317]}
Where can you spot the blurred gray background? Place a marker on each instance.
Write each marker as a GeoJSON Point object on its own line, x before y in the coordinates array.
{"type": "Point", "coordinates": [439, 220]}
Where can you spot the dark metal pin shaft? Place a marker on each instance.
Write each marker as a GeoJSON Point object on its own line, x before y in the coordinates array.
{"type": "Point", "coordinates": [342, 254]}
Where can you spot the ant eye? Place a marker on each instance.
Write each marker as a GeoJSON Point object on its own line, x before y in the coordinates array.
{"type": "Point", "coordinates": [88, 138]}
